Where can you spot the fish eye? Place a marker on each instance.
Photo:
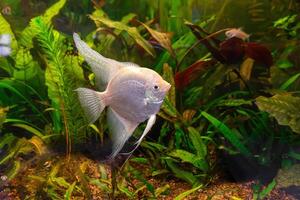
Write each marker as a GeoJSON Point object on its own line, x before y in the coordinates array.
{"type": "Point", "coordinates": [156, 87]}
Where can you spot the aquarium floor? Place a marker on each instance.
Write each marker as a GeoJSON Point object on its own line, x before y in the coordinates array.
{"type": "Point", "coordinates": [29, 183]}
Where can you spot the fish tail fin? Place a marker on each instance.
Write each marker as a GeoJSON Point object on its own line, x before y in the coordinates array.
{"type": "Point", "coordinates": [92, 103]}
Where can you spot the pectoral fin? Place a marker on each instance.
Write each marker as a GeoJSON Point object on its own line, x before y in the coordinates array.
{"type": "Point", "coordinates": [121, 129]}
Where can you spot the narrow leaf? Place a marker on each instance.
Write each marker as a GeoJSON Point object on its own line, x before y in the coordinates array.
{"type": "Point", "coordinates": [187, 193]}
{"type": "Point", "coordinates": [228, 133]}
{"type": "Point", "coordinates": [290, 81]}
{"type": "Point", "coordinates": [69, 191]}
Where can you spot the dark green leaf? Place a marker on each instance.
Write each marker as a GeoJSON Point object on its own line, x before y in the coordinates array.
{"type": "Point", "coordinates": [228, 133]}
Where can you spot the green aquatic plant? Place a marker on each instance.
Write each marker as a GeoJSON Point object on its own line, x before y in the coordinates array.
{"type": "Point", "coordinates": [285, 108]}
{"type": "Point", "coordinates": [210, 111]}
{"type": "Point", "coordinates": [62, 76]}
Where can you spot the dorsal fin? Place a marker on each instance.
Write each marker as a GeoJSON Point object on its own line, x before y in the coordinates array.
{"type": "Point", "coordinates": [129, 64]}
{"type": "Point", "coordinates": [103, 68]}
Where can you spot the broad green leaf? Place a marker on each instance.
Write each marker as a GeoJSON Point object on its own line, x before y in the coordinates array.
{"type": "Point", "coordinates": [162, 38]}
{"type": "Point", "coordinates": [132, 31]}
{"type": "Point", "coordinates": [197, 142]}
{"type": "Point", "coordinates": [182, 174]}
{"type": "Point", "coordinates": [228, 133]}
{"type": "Point", "coordinates": [188, 157]}
{"type": "Point", "coordinates": [285, 109]}
{"type": "Point", "coordinates": [153, 146]}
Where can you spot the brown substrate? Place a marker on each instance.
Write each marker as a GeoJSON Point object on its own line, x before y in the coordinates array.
{"type": "Point", "coordinates": [35, 182]}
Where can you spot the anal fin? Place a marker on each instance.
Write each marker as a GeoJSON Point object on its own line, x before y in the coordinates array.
{"type": "Point", "coordinates": [121, 129]}
{"type": "Point", "coordinates": [149, 125]}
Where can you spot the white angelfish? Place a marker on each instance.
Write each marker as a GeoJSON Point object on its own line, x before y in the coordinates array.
{"type": "Point", "coordinates": [132, 94]}
{"type": "Point", "coordinates": [5, 40]}
{"type": "Point", "coordinates": [238, 33]}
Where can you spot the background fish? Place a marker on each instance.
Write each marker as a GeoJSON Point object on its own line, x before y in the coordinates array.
{"type": "Point", "coordinates": [238, 33]}
{"type": "Point", "coordinates": [133, 94]}
{"type": "Point", "coordinates": [5, 41]}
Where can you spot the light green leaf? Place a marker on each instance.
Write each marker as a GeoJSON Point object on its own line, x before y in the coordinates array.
{"type": "Point", "coordinates": [188, 157]}
{"type": "Point", "coordinates": [284, 64]}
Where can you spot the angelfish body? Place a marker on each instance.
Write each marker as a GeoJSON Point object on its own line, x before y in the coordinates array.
{"type": "Point", "coordinates": [132, 94]}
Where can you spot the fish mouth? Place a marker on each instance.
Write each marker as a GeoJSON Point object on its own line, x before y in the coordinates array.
{"type": "Point", "coordinates": [166, 86]}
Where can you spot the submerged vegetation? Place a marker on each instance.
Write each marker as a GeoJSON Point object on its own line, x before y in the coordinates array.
{"type": "Point", "coordinates": [234, 105]}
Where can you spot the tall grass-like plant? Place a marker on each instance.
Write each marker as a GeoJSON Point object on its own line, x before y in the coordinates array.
{"type": "Point", "coordinates": [62, 77]}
